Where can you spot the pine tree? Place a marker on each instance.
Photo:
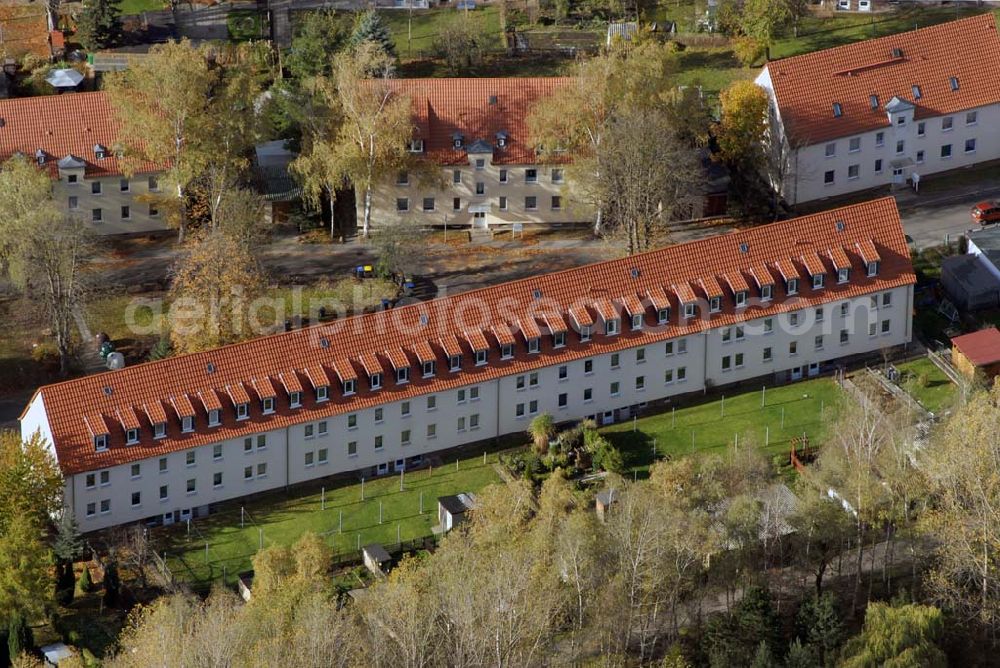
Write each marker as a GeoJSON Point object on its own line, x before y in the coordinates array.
{"type": "Point", "coordinates": [67, 544]}
{"type": "Point", "coordinates": [370, 28]}
{"type": "Point", "coordinates": [65, 583]}
{"type": "Point", "coordinates": [112, 584]}
{"type": "Point", "coordinates": [99, 25]}
{"type": "Point", "coordinates": [819, 623]}
{"type": "Point", "coordinates": [19, 635]}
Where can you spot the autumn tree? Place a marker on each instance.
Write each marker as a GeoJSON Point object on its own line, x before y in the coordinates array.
{"type": "Point", "coordinates": [963, 470]}
{"type": "Point", "coordinates": [763, 19]}
{"type": "Point", "coordinates": [822, 527]}
{"type": "Point", "coordinates": [905, 635]}
{"type": "Point", "coordinates": [577, 117]}
{"type": "Point", "coordinates": [372, 138]}
{"type": "Point", "coordinates": [463, 43]}
{"type": "Point", "coordinates": [25, 568]}
{"type": "Point", "coordinates": [214, 282]}
{"type": "Point", "coordinates": [30, 480]}
{"type": "Point", "coordinates": [644, 184]}
{"type": "Point", "coordinates": [164, 103]}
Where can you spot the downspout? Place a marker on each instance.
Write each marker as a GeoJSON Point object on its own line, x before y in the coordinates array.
{"type": "Point", "coordinates": [288, 447]}
{"type": "Point", "coordinates": [704, 368]}
{"type": "Point", "coordinates": [496, 436]}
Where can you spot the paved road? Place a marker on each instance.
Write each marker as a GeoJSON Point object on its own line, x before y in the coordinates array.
{"type": "Point", "coordinates": [932, 219]}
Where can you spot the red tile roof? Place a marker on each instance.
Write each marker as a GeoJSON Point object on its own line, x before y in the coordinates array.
{"type": "Point", "coordinates": [807, 86]}
{"type": "Point", "coordinates": [839, 258]}
{"type": "Point", "coordinates": [25, 29]}
{"type": "Point", "coordinates": [424, 352]}
{"type": "Point", "coordinates": [981, 348]}
{"type": "Point", "coordinates": [443, 107]}
{"type": "Point", "coordinates": [183, 406]}
{"type": "Point", "coordinates": [62, 125]}
{"type": "Point", "coordinates": [335, 344]}
{"type": "Point", "coordinates": [290, 381]}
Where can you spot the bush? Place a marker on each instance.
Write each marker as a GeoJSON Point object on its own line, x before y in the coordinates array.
{"type": "Point", "coordinates": [19, 636]}
{"type": "Point", "coordinates": [45, 353]}
{"type": "Point", "coordinates": [243, 25]}
{"type": "Point", "coordinates": [923, 380]}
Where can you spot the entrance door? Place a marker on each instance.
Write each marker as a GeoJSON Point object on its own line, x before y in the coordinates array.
{"type": "Point", "coordinates": [813, 369]}
{"type": "Point", "coordinates": [797, 373]}
{"type": "Point", "coordinates": [609, 417]}
{"type": "Point", "coordinates": [897, 175]}
{"type": "Point", "coordinates": [479, 220]}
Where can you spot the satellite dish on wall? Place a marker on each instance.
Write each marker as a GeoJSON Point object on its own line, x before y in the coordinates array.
{"type": "Point", "coordinates": [116, 361]}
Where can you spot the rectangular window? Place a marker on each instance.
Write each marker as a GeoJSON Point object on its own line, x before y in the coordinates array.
{"type": "Point", "coordinates": [921, 129]}
{"type": "Point", "coordinates": [531, 176]}
{"type": "Point", "coordinates": [267, 405]}
{"type": "Point", "coordinates": [217, 479]}
{"type": "Point", "coordinates": [947, 123]}
{"type": "Point", "coordinates": [615, 388]}
{"type": "Point", "coordinates": [474, 421]}
{"type": "Point", "coordinates": [792, 286]}
{"type": "Point", "coordinates": [428, 204]}
{"type": "Point", "coordinates": [519, 411]}
{"type": "Point", "coordinates": [563, 400]}
{"type": "Point", "coordinates": [588, 367]}
{"type": "Point", "coordinates": [262, 470]}
{"type": "Point", "coordinates": [91, 509]}
{"type": "Point", "coordinates": [480, 164]}
{"type": "Point", "coordinates": [480, 188]}
{"type": "Point", "coordinates": [503, 203]}
{"type": "Point", "coordinates": [95, 187]}
{"type": "Point", "coordinates": [506, 351]}
{"type": "Point", "coordinates": [640, 356]}
{"type": "Point", "coordinates": [352, 421]}
{"type": "Point", "coordinates": [402, 179]}
{"type": "Point", "coordinates": [432, 402]}
{"type": "Point", "coordinates": [404, 409]}
{"type": "Point", "coordinates": [455, 362]}
{"type": "Point", "coordinates": [668, 376]}
{"type": "Point", "coordinates": [585, 333]}
{"type": "Point", "coordinates": [818, 342]}
{"type": "Point", "coordinates": [818, 280]}
{"type": "Point", "coordinates": [871, 329]}
{"type": "Point", "coordinates": [461, 424]}
{"type": "Point", "coordinates": [662, 316]}
{"type": "Point", "coordinates": [726, 363]}
{"type": "Point", "coordinates": [885, 326]}
{"type": "Point", "coordinates": [640, 383]}
{"type": "Point", "coordinates": [74, 202]}
{"type": "Point", "coordinates": [855, 145]}
{"type": "Point", "coordinates": [793, 319]}
{"type": "Point", "coordinates": [715, 304]}
{"type": "Point", "coordinates": [615, 360]}
{"type": "Point", "coordinates": [429, 368]}
{"type": "Point", "coordinates": [971, 117]}
{"type": "Point", "coordinates": [766, 292]}
{"type": "Point", "coordinates": [563, 372]}
{"type": "Point", "coordinates": [556, 202]}
{"type": "Point", "coordinates": [131, 437]}
{"type": "Point", "coordinates": [900, 147]}
{"type": "Point", "coordinates": [153, 211]}
{"type": "Point", "coordinates": [71, 178]}
{"type": "Point", "coordinates": [242, 411]}
{"type": "Point", "coordinates": [531, 203]}
{"type": "Point", "coordinates": [96, 215]}
{"type": "Point", "coordinates": [262, 441]}
{"type": "Point", "coordinates": [557, 175]}
{"type": "Point", "coordinates": [886, 299]}
{"type": "Point", "coordinates": [164, 492]}
{"type": "Point", "coordinates": [878, 166]}
{"type": "Point", "coordinates": [309, 431]}
{"type": "Point", "coordinates": [379, 412]}
{"type": "Point", "coordinates": [248, 444]}
{"type": "Point", "coordinates": [456, 176]}
{"type": "Point", "coordinates": [105, 506]}
{"type": "Point", "coordinates": [879, 139]}
{"type": "Point", "coordinates": [402, 204]}
{"type": "Point", "coordinates": [379, 442]}
{"type": "Point", "coordinates": [152, 184]}
{"type": "Point", "coordinates": [191, 486]}
{"type": "Point", "coordinates": [189, 458]}
{"type": "Point", "coordinates": [322, 456]}
{"type": "Point", "coordinates": [793, 348]}
{"type": "Point", "coordinates": [322, 428]}
{"type": "Point", "coordinates": [105, 478]}
{"type": "Point", "coordinates": [828, 177]}
{"type": "Point", "coordinates": [831, 149]}
{"type": "Point", "coordinates": [503, 176]}
{"type": "Point", "coordinates": [946, 151]}
{"type": "Point", "coordinates": [431, 431]}
{"type": "Point", "coordinates": [767, 354]}
{"type": "Point", "coordinates": [920, 157]}
{"type": "Point", "coordinates": [217, 452]}
{"type": "Point", "coordinates": [322, 393]}
{"type": "Point", "coordinates": [970, 145]}
{"type": "Point", "coordinates": [612, 327]}
{"type": "Point", "coordinates": [534, 345]}
{"type": "Point", "coordinates": [163, 464]}
{"type": "Point", "coordinates": [352, 448]}
{"type": "Point", "coordinates": [842, 275]}
{"type": "Point", "coordinates": [91, 481]}
{"type": "Point", "coordinates": [844, 308]}
{"type": "Point", "coordinates": [308, 460]}
{"type": "Point", "coordinates": [682, 346]}
{"type": "Point", "coordinates": [135, 471]}
{"type": "Point", "coordinates": [481, 356]}
{"type": "Point", "coordinates": [533, 406]}
{"type": "Point", "coordinates": [727, 335]}
{"type": "Point", "coordinates": [247, 472]}
{"type": "Point", "coordinates": [853, 172]}
{"type": "Point", "coordinates": [844, 336]}
{"type": "Point", "coordinates": [456, 204]}
{"type": "Point", "coordinates": [533, 379]}
{"type": "Point", "coordinates": [682, 373]}
{"type": "Point", "coordinates": [739, 360]}
{"type": "Point", "coordinates": [768, 325]}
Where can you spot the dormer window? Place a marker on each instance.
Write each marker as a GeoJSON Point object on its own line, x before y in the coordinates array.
{"type": "Point", "coordinates": [741, 298]}
{"type": "Point", "coordinates": [160, 430]}
{"type": "Point", "coordinates": [429, 369]}
{"type": "Point", "coordinates": [187, 424]}
{"type": "Point", "coordinates": [818, 280]}
{"type": "Point", "coordinates": [873, 101]}
{"type": "Point", "coordinates": [415, 146]}
{"type": "Point", "coordinates": [585, 333]}
{"type": "Point", "coordinates": [454, 362]}
{"type": "Point", "coordinates": [533, 345]}
{"type": "Point", "coordinates": [267, 405]}
{"type": "Point", "coordinates": [457, 141]}
{"type": "Point", "coordinates": [323, 393]}
{"type": "Point", "coordinates": [214, 417]}
{"type": "Point", "coordinates": [558, 339]}
{"type": "Point", "coordinates": [501, 140]}
{"type": "Point", "coordinates": [662, 316]}
{"type": "Point", "coordinates": [403, 375]}
{"type": "Point", "coordinates": [766, 292]}
{"type": "Point", "coordinates": [506, 351]}
{"type": "Point", "coordinates": [40, 157]}
{"type": "Point", "coordinates": [131, 436]}
{"type": "Point", "coordinates": [953, 83]}
{"type": "Point", "coordinates": [348, 386]}
{"type": "Point", "coordinates": [480, 357]}
{"type": "Point", "coordinates": [100, 442]}
{"type": "Point", "coordinates": [294, 399]}
{"type": "Point", "coordinates": [100, 152]}
{"type": "Point", "coordinates": [792, 286]}
{"type": "Point", "coordinates": [715, 304]}
{"type": "Point", "coordinates": [838, 111]}
{"type": "Point", "coordinates": [689, 310]}
{"type": "Point", "coordinates": [612, 326]}
{"type": "Point", "coordinates": [916, 92]}
{"type": "Point", "coordinates": [375, 381]}
{"type": "Point", "coordinates": [242, 411]}
{"type": "Point", "coordinates": [873, 268]}
{"type": "Point", "coordinates": [842, 275]}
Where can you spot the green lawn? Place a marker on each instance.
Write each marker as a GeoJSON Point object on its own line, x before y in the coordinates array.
{"type": "Point", "coordinates": [928, 385]}
{"type": "Point", "coordinates": [712, 68]}
{"type": "Point", "coordinates": [416, 33]}
{"type": "Point", "coordinates": [130, 7]}
{"type": "Point", "coordinates": [284, 518]}
{"type": "Point", "coordinates": [712, 427]}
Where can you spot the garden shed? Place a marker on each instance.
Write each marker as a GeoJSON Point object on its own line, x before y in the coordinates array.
{"type": "Point", "coordinates": [376, 558]}
{"type": "Point", "coordinates": [603, 502]}
{"type": "Point", "coordinates": [452, 510]}
{"type": "Point", "coordinates": [978, 351]}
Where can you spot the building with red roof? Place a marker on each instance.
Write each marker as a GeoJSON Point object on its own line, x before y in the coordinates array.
{"type": "Point", "coordinates": [475, 131]}
{"type": "Point", "coordinates": [978, 352]}
{"type": "Point", "coordinates": [379, 392]}
{"type": "Point", "coordinates": [877, 112]}
{"type": "Point", "coordinates": [73, 137]}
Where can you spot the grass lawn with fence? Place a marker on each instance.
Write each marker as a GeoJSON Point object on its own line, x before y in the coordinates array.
{"type": "Point", "coordinates": [282, 518]}
{"type": "Point", "coordinates": [928, 384]}
{"type": "Point", "coordinates": [416, 33]}
{"type": "Point", "coordinates": [789, 411]}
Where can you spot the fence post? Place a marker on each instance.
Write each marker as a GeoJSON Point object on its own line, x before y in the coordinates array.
{"type": "Point", "coordinates": [322, 498]}
{"type": "Point", "coordinates": [362, 488]}
{"type": "Point", "coordinates": [206, 552]}
{"type": "Point", "coordinates": [380, 512]}
{"type": "Point", "coordinates": [421, 503]}
{"type": "Point", "coordinates": [763, 388]}
{"type": "Point", "coordinates": [400, 480]}
{"type": "Point", "coordinates": [260, 533]}
{"type": "Point", "coordinates": [340, 527]}
{"type": "Point", "coordinates": [723, 405]}
{"type": "Point", "coordinates": [242, 517]}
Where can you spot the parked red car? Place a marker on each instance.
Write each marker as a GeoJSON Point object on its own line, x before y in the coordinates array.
{"type": "Point", "coordinates": [985, 213]}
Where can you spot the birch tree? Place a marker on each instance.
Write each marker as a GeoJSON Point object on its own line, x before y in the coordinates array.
{"type": "Point", "coordinates": [163, 103]}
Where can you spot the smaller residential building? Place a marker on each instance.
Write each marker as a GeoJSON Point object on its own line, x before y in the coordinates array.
{"type": "Point", "coordinates": [972, 280]}
{"type": "Point", "coordinates": [978, 351]}
{"type": "Point", "coordinates": [73, 138]}
{"type": "Point", "coordinates": [452, 510]}
{"type": "Point", "coordinates": [376, 558]}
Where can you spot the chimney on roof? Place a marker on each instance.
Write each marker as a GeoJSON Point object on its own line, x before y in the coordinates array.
{"type": "Point", "coordinates": [493, 100]}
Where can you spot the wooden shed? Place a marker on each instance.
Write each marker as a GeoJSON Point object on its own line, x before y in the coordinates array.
{"type": "Point", "coordinates": [978, 351]}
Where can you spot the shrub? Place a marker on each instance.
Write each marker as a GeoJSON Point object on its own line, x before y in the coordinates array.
{"type": "Point", "coordinates": [45, 353]}
{"type": "Point", "coordinates": [86, 584]}
{"type": "Point", "coordinates": [923, 380]}
{"type": "Point", "coordinates": [19, 636]}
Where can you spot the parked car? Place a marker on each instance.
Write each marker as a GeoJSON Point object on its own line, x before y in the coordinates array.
{"type": "Point", "coordinates": [985, 213]}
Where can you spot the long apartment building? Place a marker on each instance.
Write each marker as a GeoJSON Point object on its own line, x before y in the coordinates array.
{"type": "Point", "coordinates": [73, 137]}
{"type": "Point", "coordinates": [379, 392]}
{"type": "Point", "coordinates": [474, 133]}
{"type": "Point", "coordinates": [874, 113]}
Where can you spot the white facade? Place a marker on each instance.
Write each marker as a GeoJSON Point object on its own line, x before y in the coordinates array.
{"type": "Point", "coordinates": [889, 156]}
{"type": "Point", "coordinates": [382, 439]}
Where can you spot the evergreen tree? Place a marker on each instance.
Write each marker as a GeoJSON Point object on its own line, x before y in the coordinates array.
{"type": "Point", "coordinates": [320, 34]}
{"type": "Point", "coordinates": [99, 26]}
{"type": "Point", "coordinates": [65, 582]}
{"type": "Point", "coordinates": [819, 623]}
{"type": "Point", "coordinates": [370, 28]}
{"type": "Point", "coordinates": [19, 635]}
{"type": "Point", "coordinates": [112, 584]}
{"type": "Point", "coordinates": [801, 656]}
{"type": "Point", "coordinates": [763, 658]}
{"type": "Point", "coordinates": [86, 584]}
{"type": "Point", "coordinates": [67, 544]}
